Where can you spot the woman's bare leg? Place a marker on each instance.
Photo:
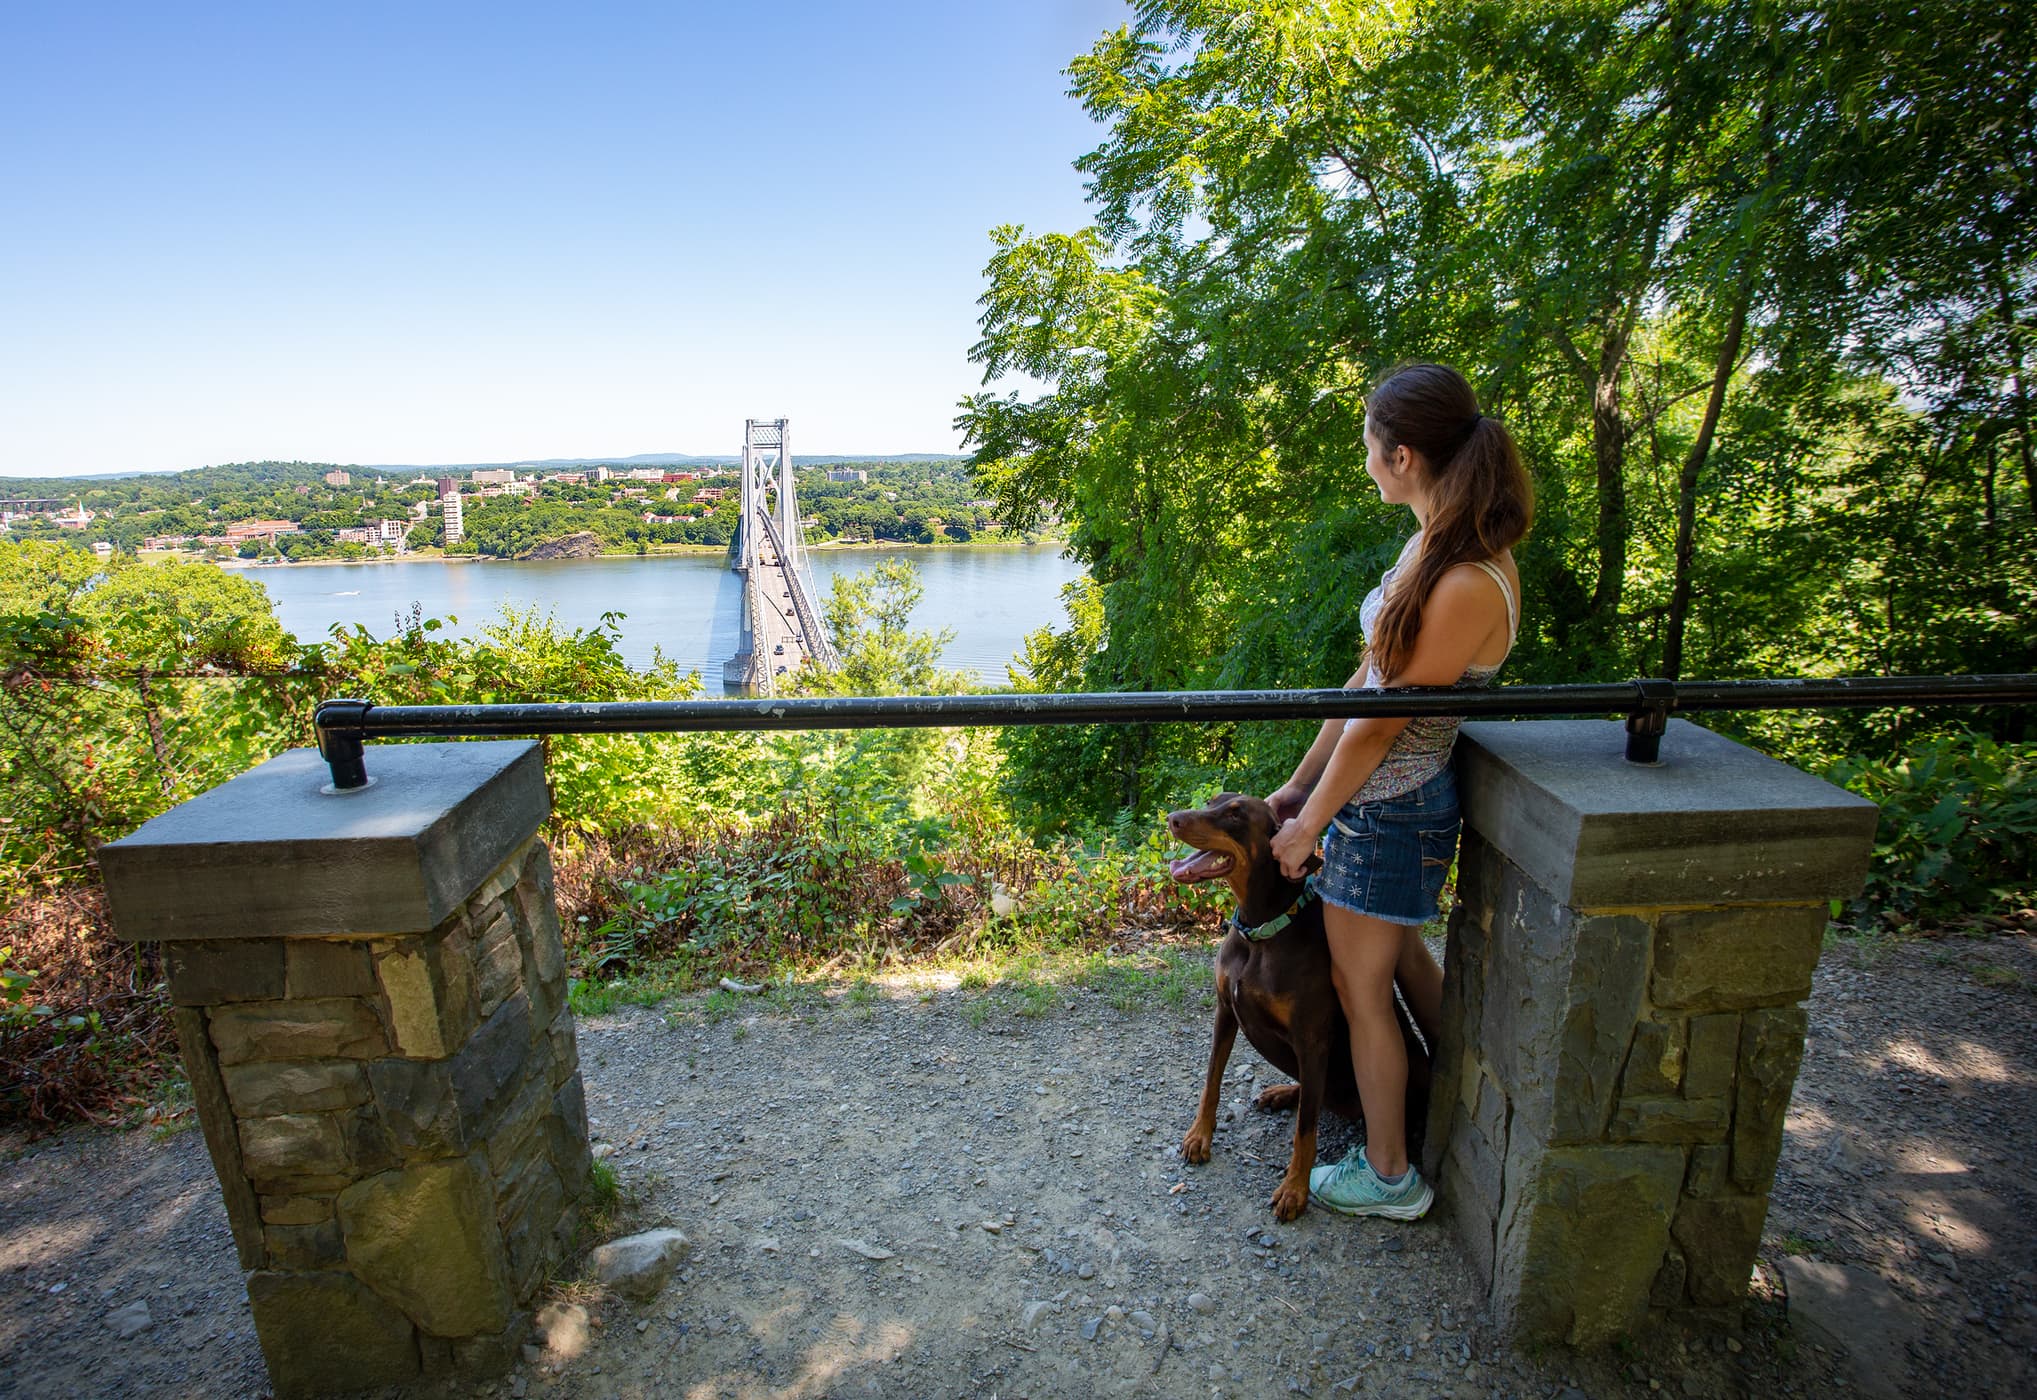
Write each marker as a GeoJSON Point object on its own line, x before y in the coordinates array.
{"type": "Point", "coordinates": [1363, 954]}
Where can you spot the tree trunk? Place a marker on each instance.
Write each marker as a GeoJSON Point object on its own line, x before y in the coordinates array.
{"type": "Point", "coordinates": [166, 773]}
{"type": "Point", "coordinates": [1609, 449]}
{"type": "Point", "coordinates": [1693, 468]}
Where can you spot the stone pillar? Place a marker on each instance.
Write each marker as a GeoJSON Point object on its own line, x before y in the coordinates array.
{"type": "Point", "coordinates": [1622, 1021]}
{"type": "Point", "coordinates": [370, 999]}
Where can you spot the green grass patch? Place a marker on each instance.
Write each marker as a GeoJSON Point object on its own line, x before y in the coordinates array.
{"type": "Point", "coordinates": [1995, 975]}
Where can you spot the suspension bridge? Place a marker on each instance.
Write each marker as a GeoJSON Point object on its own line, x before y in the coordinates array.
{"type": "Point", "coordinates": [781, 622]}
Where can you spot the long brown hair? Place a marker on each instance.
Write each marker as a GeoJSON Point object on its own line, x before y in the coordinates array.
{"type": "Point", "coordinates": [1480, 500]}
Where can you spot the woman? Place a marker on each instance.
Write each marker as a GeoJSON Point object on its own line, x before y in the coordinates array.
{"type": "Point", "coordinates": [1445, 614]}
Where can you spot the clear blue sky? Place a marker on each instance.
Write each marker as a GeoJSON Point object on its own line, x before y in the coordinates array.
{"type": "Point", "coordinates": [478, 232]}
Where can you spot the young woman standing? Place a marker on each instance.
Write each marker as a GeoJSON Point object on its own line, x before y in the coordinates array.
{"type": "Point", "coordinates": [1445, 614]}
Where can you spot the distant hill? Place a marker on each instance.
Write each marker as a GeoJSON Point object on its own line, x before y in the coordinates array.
{"type": "Point", "coordinates": [43, 485]}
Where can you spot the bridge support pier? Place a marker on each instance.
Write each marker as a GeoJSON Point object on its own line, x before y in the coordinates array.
{"type": "Point", "coordinates": [370, 1001]}
{"type": "Point", "coordinates": [1622, 1014]}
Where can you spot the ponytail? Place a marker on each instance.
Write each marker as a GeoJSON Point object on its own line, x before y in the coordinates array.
{"type": "Point", "coordinates": [1480, 499]}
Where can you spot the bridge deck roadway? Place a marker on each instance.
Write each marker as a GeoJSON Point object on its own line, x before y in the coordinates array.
{"type": "Point", "coordinates": [778, 622]}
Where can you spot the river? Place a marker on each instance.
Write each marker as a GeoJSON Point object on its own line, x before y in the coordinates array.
{"type": "Point", "coordinates": [684, 605]}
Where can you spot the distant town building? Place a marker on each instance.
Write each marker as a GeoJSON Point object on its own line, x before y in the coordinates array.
{"type": "Point", "coordinates": [356, 534]}
{"type": "Point", "coordinates": [568, 478]}
{"type": "Point", "coordinates": [245, 530]}
{"type": "Point", "coordinates": [647, 474]}
{"type": "Point", "coordinates": [519, 488]}
{"type": "Point", "coordinates": [76, 518]}
{"type": "Point", "coordinates": [392, 531]}
{"type": "Point", "coordinates": [337, 477]}
{"type": "Point", "coordinates": [456, 519]}
{"type": "Point", "coordinates": [651, 517]}
{"type": "Point", "coordinates": [680, 476]}
{"type": "Point", "coordinates": [602, 474]}
{"type": "Point", "coordinates": [103, 548]}
{"type": "Point", "coordinates": [847, 474]}
{"type": "Point", "coordinates": [448, 487]}
{"type": "Point", "coordinates": [494, 476]}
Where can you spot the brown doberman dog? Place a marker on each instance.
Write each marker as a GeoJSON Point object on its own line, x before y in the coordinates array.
{"type": "Point", "coordinates": [1273, 980]}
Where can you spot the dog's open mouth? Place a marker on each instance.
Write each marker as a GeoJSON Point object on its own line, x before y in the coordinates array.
{"type": "Point", "coordinates": [1202, 865]}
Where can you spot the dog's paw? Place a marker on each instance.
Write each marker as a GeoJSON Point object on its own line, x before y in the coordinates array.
{"type": "Point", "coordinates": [1195, 1146]}
{"type": "Point", "coordinates": [1277, 1098]}
{"type": "Point", "coordinates": [1290, 1200]}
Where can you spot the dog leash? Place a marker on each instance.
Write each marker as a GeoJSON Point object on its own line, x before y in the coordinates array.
{"type": "Point", "coordinates": [1262, 932]}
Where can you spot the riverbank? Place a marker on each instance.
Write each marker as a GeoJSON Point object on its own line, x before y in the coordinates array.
{"type": "Point", "coordinates": [679, 551]}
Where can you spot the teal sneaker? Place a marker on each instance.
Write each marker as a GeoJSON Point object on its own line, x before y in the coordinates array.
{"type": "Point", "coordinates": [1354, 1188]}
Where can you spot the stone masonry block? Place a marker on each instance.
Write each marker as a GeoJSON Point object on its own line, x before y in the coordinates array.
{"type": "Point", "coordinates": [565, 1055]}
{"type": "Point", "coordinates": [222, 1138]}
{"type": "Point", "coordinates": [322, 1028]}
{"type": "Point", "coordinates": [498, 961]}
{"type": "Point", "coordinates": [1578, 1260]}
{"type": "Point", "coordinates": [265, 1088]}
{"type": "Point", "coordinates": [425, 1238]}
{"type": "Point", "coordinates": [325, 967]}
{"type": "Point", "coordinates": [326, 1330]}
{"type": "Point", "coordinates": [1669, 1119]}
{"type": "Point", "coordinates": [307, 1248]}
{"type": "Point", "coordinates": [1609, 971]}
{"type": "Point", "coordinates": [414, 1099]}
{"type": "Point", "coordinates": [503, 878]}
{"type": "Point", "coordinates": [1670, 1281]}
{"type": "Point", "coordinates": [1713, 822]}
{"type": "Point", "coordinates": [566, 1136]}
{"type": "Point", "coordinates": [489, 1069]}
{"type": "Point", "coordinates": [214, 973]}
{"type": "Point", "coordinates": [1654, 1060]}
{"type": "Point", "coordinates": [1719, 1237]}
{"type": "Point", "coordinates": [294, 1148]}
{"type": "Point", "coordinates": [1771, 1049]}
{"type": "Point", "coordinates": [1714, 1051]}
{"type": "Point", "coordinates": [296, 1210]}
{"type": "Point", "coordinates": [530, 1208]}
{"type": "Point", "coordinates": [416, 1002]}
{"type": "Point", "coordinates": [516, 1132]}
{"type": "Point", "coordinates": [397, 857]}
{"type": "Point", "coordinates": [1707, 1175]}
{"type": "Point", "coordinates": [1724, 959]}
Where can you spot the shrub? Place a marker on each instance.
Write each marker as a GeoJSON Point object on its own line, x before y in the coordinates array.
{"type": "Point", "coordinates": [1958, 829]}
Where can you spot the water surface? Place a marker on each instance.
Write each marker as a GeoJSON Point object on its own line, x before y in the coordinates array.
{"type": "Point", "coordinates": [685, 605]}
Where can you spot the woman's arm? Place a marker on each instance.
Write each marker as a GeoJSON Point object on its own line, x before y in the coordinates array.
{"type": "Point", "coordinates": [1456, 622]}
{"type": "Point", "coordinates": [1287, 800]}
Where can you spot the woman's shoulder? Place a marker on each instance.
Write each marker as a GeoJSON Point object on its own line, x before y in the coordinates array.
{"type": "Point", "coordinates": [1471, 583]}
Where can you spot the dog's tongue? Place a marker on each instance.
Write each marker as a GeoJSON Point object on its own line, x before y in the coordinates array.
{"type": "Point", "coordinates": [1203, 865]}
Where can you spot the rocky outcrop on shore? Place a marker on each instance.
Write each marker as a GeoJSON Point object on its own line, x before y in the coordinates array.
{"type": "Point", "coordinates": [584, 545]}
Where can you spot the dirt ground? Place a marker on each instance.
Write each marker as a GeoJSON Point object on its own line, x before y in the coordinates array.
{"type": "Point", "coordinates": [932, 1191]}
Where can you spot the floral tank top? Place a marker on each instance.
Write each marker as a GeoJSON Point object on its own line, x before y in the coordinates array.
{"type": "Point", "coordinates": [1422, 750]}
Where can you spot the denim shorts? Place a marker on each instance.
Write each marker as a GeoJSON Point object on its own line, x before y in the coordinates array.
{"type": "Point", "coordinates": [1388, 859]}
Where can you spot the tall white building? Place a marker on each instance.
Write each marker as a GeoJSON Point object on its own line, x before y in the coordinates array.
{"type": "Point", "coordinates": [456, 518]}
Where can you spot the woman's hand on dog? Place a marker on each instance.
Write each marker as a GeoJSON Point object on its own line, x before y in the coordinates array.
{"type": "Point", "coordinates": [1294, 846]}
{"type": "Point", "coordinates": [1287, 801]}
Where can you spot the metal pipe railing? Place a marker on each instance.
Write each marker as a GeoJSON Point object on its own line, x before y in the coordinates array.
{"type": "Point", "coordinates": [345, 726]}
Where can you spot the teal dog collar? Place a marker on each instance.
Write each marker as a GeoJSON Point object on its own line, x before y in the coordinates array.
{"type": "Point", "coordinates": [1274, 925]}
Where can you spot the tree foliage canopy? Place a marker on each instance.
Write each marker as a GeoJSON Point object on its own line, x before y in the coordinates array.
{"type": "Point", "coordinates": [1752, 283]}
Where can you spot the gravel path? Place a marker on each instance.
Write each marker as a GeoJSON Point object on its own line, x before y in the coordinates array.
{"type": "Point", "coordinates": [1040, 1238]}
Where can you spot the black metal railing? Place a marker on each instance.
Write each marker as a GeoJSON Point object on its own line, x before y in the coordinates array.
{"type": "Point", "coordinates": [345, 726]}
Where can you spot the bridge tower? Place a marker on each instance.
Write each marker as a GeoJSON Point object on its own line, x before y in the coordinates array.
{"type": "Point", "coordinates": [780, 611]}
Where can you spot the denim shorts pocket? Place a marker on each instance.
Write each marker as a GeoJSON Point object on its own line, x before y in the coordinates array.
{"type": "Point", "coordinates": [1439, 852]}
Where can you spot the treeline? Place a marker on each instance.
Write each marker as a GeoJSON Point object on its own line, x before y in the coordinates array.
{"type": "Point", "coordinates": [908, 502]}
{"type": "Point", "coordinates": [1752, 283]}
